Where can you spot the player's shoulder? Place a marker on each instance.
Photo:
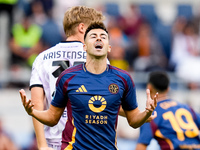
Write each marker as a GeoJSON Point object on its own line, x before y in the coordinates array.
{"type": "Point", "coordinates": [72, 70]}
{"type": "Point", "coordinates": [42, 55]}
{"type": "Point", "coordinates": [170, 105]}
{"type": "Point", "coordinates": [119, 72]}
{"type": "Point", "coordinates": [55, 51]}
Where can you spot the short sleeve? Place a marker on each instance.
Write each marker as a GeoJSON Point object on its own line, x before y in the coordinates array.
{"type": "Point", "coordinates": [35, 79]}
{"type": "Point", "coordinates": [129, 101]}
{"type": "Point", "coordinates": [60, 99]}
{"type": "Point", "coordinates": [145, 134]}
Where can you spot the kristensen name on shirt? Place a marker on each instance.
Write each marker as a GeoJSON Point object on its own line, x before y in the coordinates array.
{"type": "Point", "coordinates": [65, 54]}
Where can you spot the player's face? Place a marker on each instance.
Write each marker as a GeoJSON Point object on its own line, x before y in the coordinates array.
{"type": "Point", "coordinates": [97, 43]}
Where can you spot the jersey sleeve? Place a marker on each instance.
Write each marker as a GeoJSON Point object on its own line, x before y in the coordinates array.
{"type": "Point", "coordinates": [59, 99]}
{"type": "Point", "coordinates": [146, 134]}
{"type": "Point", "coordinates": [35, 79]}
{"type": "Point", "coordinates": [129, 101]}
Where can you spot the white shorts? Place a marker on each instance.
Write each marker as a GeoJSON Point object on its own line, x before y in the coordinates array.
{"type": "Point", "coordinates": [54, 146]}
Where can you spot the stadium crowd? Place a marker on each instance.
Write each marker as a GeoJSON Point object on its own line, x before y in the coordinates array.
{"type": "Point", "coordinates": [139, 35]}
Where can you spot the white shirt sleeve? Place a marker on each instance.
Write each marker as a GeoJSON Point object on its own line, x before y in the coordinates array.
{"type": "Point", "coordinates": [35, 79]}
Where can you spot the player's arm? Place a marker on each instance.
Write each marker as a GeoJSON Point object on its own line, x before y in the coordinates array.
{"type": "Point", "coordinates": [121, 112]}
{"type": "Point", "coordinates": [136, 117]}
{"type": "Point", "coordinates": [38, 97]}
{"type": "Point", "coordinates": [140, 146]}
{"type": "Point", "coordinates": [48, 117]}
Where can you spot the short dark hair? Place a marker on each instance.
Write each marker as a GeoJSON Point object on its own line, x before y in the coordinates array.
{"type": "Point", "coordinates": [160, 80]}
{"type": "Point", "coordinates": [95, 25]}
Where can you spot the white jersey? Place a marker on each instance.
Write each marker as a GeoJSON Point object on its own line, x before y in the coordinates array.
{"type": "Point", "coordinates": [46, 68]}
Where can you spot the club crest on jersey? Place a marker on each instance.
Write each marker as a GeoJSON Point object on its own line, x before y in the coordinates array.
{"type": "Point", "coordinates": [113, 88]}
{"type": "Point", "coordinates": [97, 103]}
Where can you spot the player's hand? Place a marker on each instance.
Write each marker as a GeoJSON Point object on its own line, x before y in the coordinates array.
{"type": "Point", "coordinates": [152, 117]}
{"type": "Point", "coordinates": [26, 103]}
{"type": "Point", "coordinates": [46, 148]}
{"type": "Point", "coordinates": [151, 103]}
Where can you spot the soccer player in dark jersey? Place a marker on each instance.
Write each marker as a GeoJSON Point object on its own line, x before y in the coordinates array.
{"type": "Point", "coordinates": [176, 126]}
{"type": "Point", "coordinates": [93, 93]}
{"type": "Point", "coordinates": [50, 63]}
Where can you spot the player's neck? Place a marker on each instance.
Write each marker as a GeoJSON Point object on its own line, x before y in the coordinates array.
{"type": "Point", "coordinates": [75, 38]}
{"type": "Point", "coordinates": [162, 97]}
{"type": "Point", "coordinates": [96, 66]}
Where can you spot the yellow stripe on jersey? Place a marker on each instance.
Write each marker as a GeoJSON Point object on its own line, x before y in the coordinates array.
{"type": "Point", "coordinates": [116, 140]}
{"type": "Point", "coordinates": [83, 87]}
{"type": "Point", "coordinates": [160, 135]}
{"type": "Point", "coordinates": [70, 146]}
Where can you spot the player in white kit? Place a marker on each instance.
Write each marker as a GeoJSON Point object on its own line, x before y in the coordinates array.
{"type": "Point", "coordinates": [50, 63]}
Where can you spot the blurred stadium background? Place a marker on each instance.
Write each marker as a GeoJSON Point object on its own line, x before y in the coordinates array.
{"type": "Point", "coordinates": [166, 22]}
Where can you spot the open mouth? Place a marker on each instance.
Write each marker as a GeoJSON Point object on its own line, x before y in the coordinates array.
{"type": "Point", "coordinates": [98, 45]}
